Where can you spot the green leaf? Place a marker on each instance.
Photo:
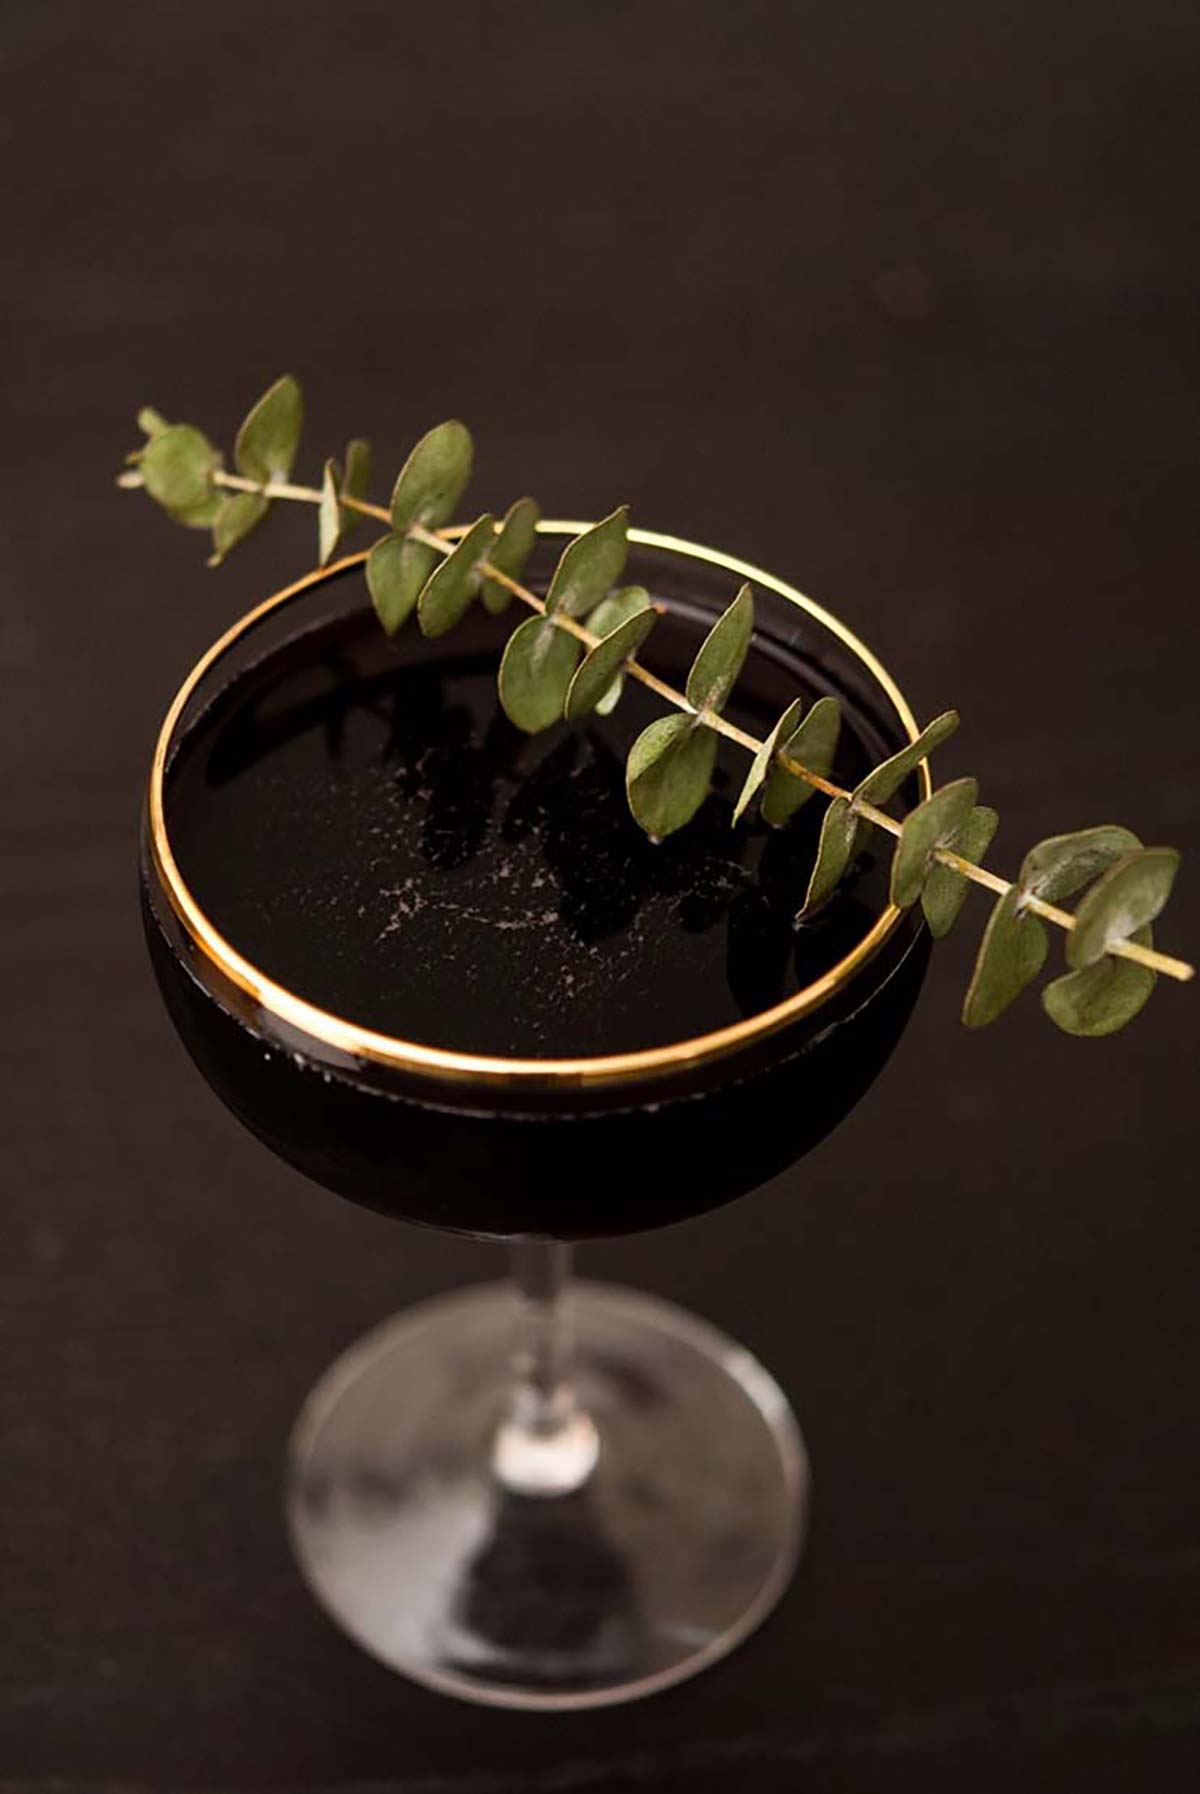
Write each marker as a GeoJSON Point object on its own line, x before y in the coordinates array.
{"type": "Point", "coordinates": [590, 565]}
{"type": "Point", "coordinates": [887, 778]}
{"type": "Point", "coordinates": [669, 772]}
{"type": "Point", "coordinates": [1129, 895]}
{"type": "Point", "coordinates": [879, 785]}
{"type": "Point", "coordinates": [628, 602]}
{"type": "Point", "coordinates": [535, 673]}
{"type": "Point", "coordinates": [1063, 864]}
{"type": "Point", "coordinates": [761, 763]}
{"type": "Point", "coordinates": [151, 421]}
{"type": "Point", "coordinates": [1011, 954]}
{"type": "Point", "coordinates": [945, 889]}
{"type": "Point", "coordinates": [329, 513]}
{"type": "Point", "coordinates": [813, 744]}
{"type": "Point", "coordinates": [600, 669]}
{"type": "Point", "coordinates": [448, 592]}
{"type": "Point", "coordinates": [237, 515]}
{"type": "Point", "coordinates": [177, 464]}
{"type": "Point", "coordinates": [357, 481]}
{"type": "Point", "coordinates": [396, 571]}
{"type": "Point", "coordinates": [270, 434]}
{"type": "Point", "coordinates": [510, 551]}
{"type": "Point", "coordinates": [835, 850]}
{"type": "Point", "coordinates": [433, 479]}
{"type": "Point", "coordinates": [930, 825]}
{"type": "Point", "coordinates": [1101, 997]}
{"type": "Point", "coordinates": [335, 519]}
{"type": "Point", "coordinates": [722, 652]}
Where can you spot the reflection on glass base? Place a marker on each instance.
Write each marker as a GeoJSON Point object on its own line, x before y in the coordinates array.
{"type": "Point", "coordinates": [676, 1547]}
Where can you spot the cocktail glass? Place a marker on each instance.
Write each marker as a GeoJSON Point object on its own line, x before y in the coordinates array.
{"type": "Point", "coordinates": [542, 1493]}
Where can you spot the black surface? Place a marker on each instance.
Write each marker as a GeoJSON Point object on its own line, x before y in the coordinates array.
{"type": "Point", "coordinates": [897, 300]}
{"type": "Point", "coordinates": [378, 837]}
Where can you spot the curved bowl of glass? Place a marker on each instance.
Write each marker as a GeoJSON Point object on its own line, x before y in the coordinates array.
{"type": "Point", "coordinates": [434, 964]}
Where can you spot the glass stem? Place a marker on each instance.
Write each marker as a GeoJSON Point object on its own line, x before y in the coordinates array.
{"type": "Point", "coordinates": [546, 1444]}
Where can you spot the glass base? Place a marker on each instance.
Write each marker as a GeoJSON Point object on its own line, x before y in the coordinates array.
{"type": "Point", "coordinates": [679, 1543]}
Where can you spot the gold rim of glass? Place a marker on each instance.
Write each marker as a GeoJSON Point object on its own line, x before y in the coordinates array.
{"type": "Point", "coordinates": [441, 1063]}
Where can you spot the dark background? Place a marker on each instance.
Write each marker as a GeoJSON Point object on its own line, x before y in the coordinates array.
{"type": "Point", "coordinates": [898, 300]}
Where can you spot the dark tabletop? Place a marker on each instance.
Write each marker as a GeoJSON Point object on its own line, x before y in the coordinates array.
{"type": "Point", "coordinates": [899, 301]}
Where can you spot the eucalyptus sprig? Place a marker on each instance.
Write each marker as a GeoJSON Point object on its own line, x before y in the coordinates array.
{"type": "Point", "coordinates": [571, 656]}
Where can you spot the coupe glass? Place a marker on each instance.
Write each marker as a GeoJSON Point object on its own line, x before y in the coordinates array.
{"type": "Point", "coordinates": [541, 1493]}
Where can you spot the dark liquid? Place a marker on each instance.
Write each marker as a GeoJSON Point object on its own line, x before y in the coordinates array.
{"type": "Point", "coordinates": [360, 821]}
{"type": "Point", "coordinates": [378, 838]}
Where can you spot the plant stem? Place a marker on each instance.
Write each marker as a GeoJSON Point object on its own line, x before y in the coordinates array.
{"type": "Point", "coordinates": [979, 875]}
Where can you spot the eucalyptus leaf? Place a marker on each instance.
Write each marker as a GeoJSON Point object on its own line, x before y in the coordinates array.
{"type": "Point", "coordinates": [203, 515]}
{"type": "Point", "coordinates": [630, 601]}
{"type": "Point", "coordinates": [813, 745]}
{"type": "Point", "coordinates": [447, 594]}
{"type": "Point", "coordinates": [721, 655]}
{"type": "Point", "coordinates": [761, 763]}
{"type": "Point", "coordinates": [433, 479]}
{"type": "Point", "coordinates": [329, 512]}
{"type": "Point", "coordinates": [669, 772]}
{"type": "Point", "coordinates": [1101, 997]}
{"type": "Point", "coordinates": [1011, 954]}
{"type": "Point", "coordinates": [396, 571]}
{"type": "Point", "coordinates": [590, 565]}
{"type": "Point", "coordinates": [1063, 864]}
{"type": "Point", "coordinates": [883, 783]}
{"type": "Point", "coordinates": [1129, 895]}
{"type": "Point", "coordinates": [356, 483]}
{"type": "Point", "coordinates": [945, 889]}
{"type": "Point", "coordinates": [600, 668]}
{"type": "Point", "coordinates": [510, 551]}
{"type": "Point", "coordinates": [930, 825]}
{"type": "Point", "coordinates": [835, 850]}
{"type": "Point", "coordinates": [270, 433]}
{"type": "Point", "coordinates": [237, 514]}
{"type": "Point", "coordinates": [535, 673]}
{"type": "Point", "coordinates": [603, 620]}
{"type": "Point", "coordinates": [177, 465]}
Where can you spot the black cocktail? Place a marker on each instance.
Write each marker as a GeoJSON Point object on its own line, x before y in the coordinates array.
{"type": "Point", "coordinates": [434, 964]}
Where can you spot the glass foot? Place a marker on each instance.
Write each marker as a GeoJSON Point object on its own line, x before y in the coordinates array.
{"type": "Point", "coordinates": [677, 1545]}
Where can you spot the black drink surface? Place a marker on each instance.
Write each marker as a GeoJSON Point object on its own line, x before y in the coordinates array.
{"type": "Point", "coordinates": [359, 819]}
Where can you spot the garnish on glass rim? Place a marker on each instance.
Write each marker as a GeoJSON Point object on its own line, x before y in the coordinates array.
{"type": "Point", "coordinates": [571, 656]}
